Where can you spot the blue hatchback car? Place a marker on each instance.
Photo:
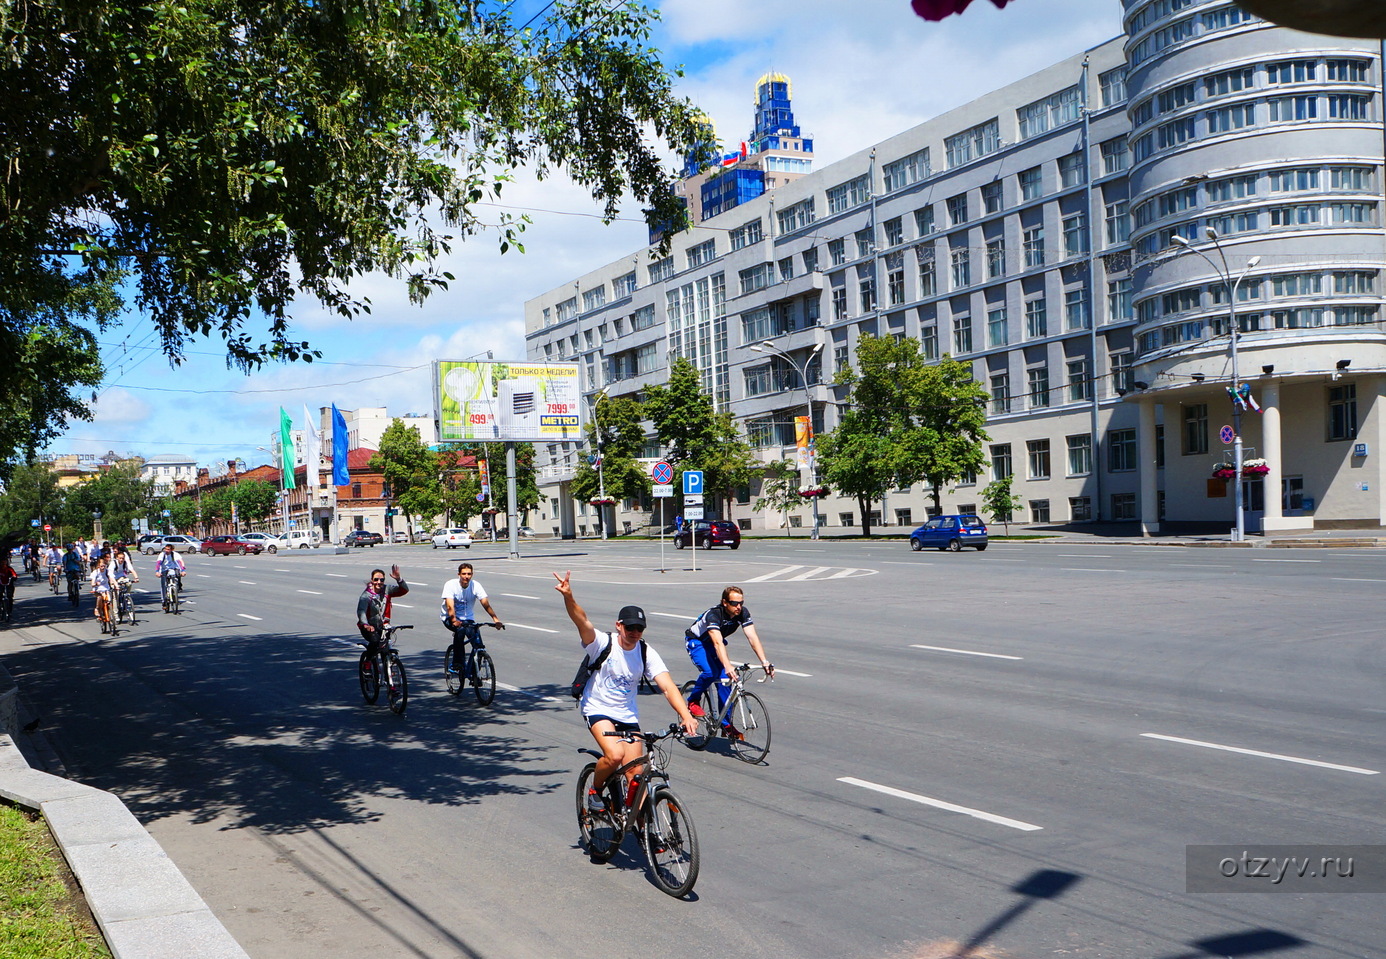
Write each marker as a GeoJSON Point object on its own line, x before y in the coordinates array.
{"type": "Point", "coordinates": [951, 532]}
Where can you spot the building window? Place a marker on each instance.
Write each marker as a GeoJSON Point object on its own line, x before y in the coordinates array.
{"type": "Point", "coordinates": [973, 143]}
{"type": "Point", "coordinates": [757, 277]}
{"type": "Point", "coordinates": [894, 231]}
{"type": "Point", "coordinates": [1038, 452]}
{"type": "Point", "coordinates": [957, 209]}
{"type": "Point", "coordinates": [1080, 509]}
{"type": "Point", "coordinates": [1121, 451]}
{"type": "Point", "coordinates": [1047, 114]}
{"type": "Point", "coordinates": [661, 270]}
{"type": "Point", "coordinates": [962, 267]}
{"type": "Point", "coordinates": [1293, 109]}
{"type": "Point", "coordinates": [1036, 319]}
{"type": "Point", "coordinates": [899, 174]}
{"type": "Point", "coordinates": [866, 286]}
{"type": "Point", "coordinates": [810, 257]}
{"type": "Point", "coordinates": [1119, 300]}
{"type": "Point", "coordinates": [991, 196]}
{"type": "Point", "coordinates": [795, 217]}
{"type": "Point", "coordinates": [844, 196]}
{"type": "Point", "coordinates": [928, 342]}
{"type": "Point", "coordinates": [837, 251]}
{"type": "Point", "coordinates": [895, 278]}
{"type": "Point", "coordinates": [1079, 454]}
{"type": "Point", "coordinates": [1342, 412]}
{"type": "Point", "coordinates": [1079, 383]}
{"type": "Point", "coordinates": [1123, 506]}
{"type": "Point", "coordinates": [1075, 235]}
{"type": "Point", "coordinates": [1039, 386]}
{"type": "Point", "coordinates": [704, 252]}
{"type": "Point", "coordinates": [746, 234]}
{"type": "Point", "coordinates": [866, 242]}
{"type": "Point", "coordinates": [924, 221]}
{"type": "Point", "coordinates": [996, 327]}
{"type": "Point", "coordinates": [1071, 170]}
{"type": "Point", "coordinates": [1113, 86]}
{"type": "Point", "coordinates": [1001, 461]}
{"type": "Point", "coordinates": [962, 334]}
{"type": "Point", "coordinates": [1117, 222]}
{"type": "Point", "coordinates": [623, 286]}
{"type": "Point", "coordinates": [1031, 184]}
{"type": "Point", "coordinates": [1000, 394]}
{"type": "Point", "coordinates": [1195, 429]}
{"type": "Point", "coordinates": [996, 257]}
{"type": "Point", "coordinates": [840, 358]}
{"type": "Point", "coordinates": [786, 269]}
{"type": "Point", "coordinates": [567, 310]}
{"type": "Point", "coordinates": [928, 284]}
{"type": "Point", "coordinates": [839, 297]}
{"type": "Point", "coordinates": [1122, 371]}
{"type": "Point", "coordinates": [1039, 510]}
{"type": "Point", "coordinates": [1076, 309]}
{"type": "Point", "coordinates": [1033, 242]}
{"type": "Point", "coordinates": [1114, 156]}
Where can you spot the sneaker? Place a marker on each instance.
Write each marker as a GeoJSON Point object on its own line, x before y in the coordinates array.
{"type": "Point", "coordinates": [696, 711]}
{"type": "Point", "coordinates": [596, 802]}
{"type": "Point", "coordinates": [732, 733]}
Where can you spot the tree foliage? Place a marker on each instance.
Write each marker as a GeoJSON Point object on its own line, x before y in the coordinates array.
{"type": "Point", "coordinates": [49, 366]}
{"type": "Point", "coordinates": [908, 420]}
{"type": "Point", "coordinates": [227, 158]}
{"type": "Point", "coordinates": [410, 469]}
{"type": "Point", "coordinates": [999, 502]}
{"type": "Point", "coordinates": [31, 492]}
{"type": "Point", "coordinates": [118, 493]}
{"type": "Point", "coordinates": [616, 432]}
{"type": "Point", "coordinates": [779, 489]}
{"type": "Point", "coordinates": [255, 500]}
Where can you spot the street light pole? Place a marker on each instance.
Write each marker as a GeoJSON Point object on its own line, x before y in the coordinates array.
{"type": "Point", "coordinates": [1233, 334]}
{"type": "Point", "coordinates": [802, 369]}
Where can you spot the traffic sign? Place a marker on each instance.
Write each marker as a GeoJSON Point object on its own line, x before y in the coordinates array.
{"type": "Point", "coordinates": [663, 473]}
{"type": "Point", "coordinates": [693, 512]}
{"type": "Point", "coordinates": [47, 528]}
{"type": "Point", "coordinates": [166, 513]}
{"type": "Point", "coordinates": [692, 482]}
{"type": "Point", "coordinates": [34, 523]}
{"type": "Point", "coordinates": [664, 491]}
{"type": "Point", "coordinates": [693, 500]}
{"type": "Point", "coordinates": [1227, 434]}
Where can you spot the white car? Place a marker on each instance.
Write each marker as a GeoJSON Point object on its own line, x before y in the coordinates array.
{"type": "Point", "coordinates": [269, 541]}
{"type": "Point", "coordinates": [451, 538]}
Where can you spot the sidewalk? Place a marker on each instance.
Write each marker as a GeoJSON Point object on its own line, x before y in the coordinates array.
{"type": "Point", "coordinates": [144, 906]}
{"type": "Point", "coordinates": [1104, 534]}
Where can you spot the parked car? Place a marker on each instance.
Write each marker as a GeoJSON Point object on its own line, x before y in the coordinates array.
{"type": "Point", "coordinates": [709, 533]}
{"type": "Point", "coordinates": [139, 544]}
{"type": "Point", "coordinates": [299, 538]}
{"type": "Point", "coordinates": [400, 536]}
{"type": "Point", "coordinates": [451, 538]}
{"type": "Point", "coordinates": [180, 544]}
{"type": "Point", "coordinates": [268, 541]}
{"type": "Point", "coordinates": [362, 537]}
{"type": "Point", "coordinates": [226, 545]}
{"type": "Point", "coordinates": [953, 531]}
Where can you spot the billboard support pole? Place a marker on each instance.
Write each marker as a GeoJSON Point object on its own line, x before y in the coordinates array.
{"type": "Point", "coordinates": [512, 513]}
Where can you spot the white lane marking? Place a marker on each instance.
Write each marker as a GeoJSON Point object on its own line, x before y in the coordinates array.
{"type": "Point", "coordinates": [671, 615]}
{"type": "Point", "coordinates": [1202, 565]}
{"type": "Point", "coordinates": [790, 672]}
{"type": "Point", "coordinates": [778, 572]}
{"type": "Point", "coordinates": [940, 804]}
{"type": "Point", "coordinates": [965, 652]}
{"type": "Point", "coordinates": [810, 574]}
{"type": "Point", "coordinates": [240, 567]}
{"type": "Point", "coordinates": [344, 576]}
{"type": "Point", "coordinates": [1085, 555]}
{"type": "Point", "coordinates": [282, 571]}
{"type": "Point", "coordinates": [247, 616]}
{"type": "Point", "coordinates": [846, 572]}
{"type": "Point", "coordinates": [519, 596]}
{"type": "Point", "coordinates": [1287, 561]}
{"type": "Point", "coordinates": [1344, 579]}
{"type": "Point", "coordinates": [538, 629]}
{"type": "Point", "coordinates": [808, 549]}
{"type": "Point", "coordinates": [403, 605]}
{"type": "Point", "coordinates": [508, 688]}
{"type": "Point", "coordinates": [902, 562]}
{"type": "Point", "coordinates": [204, 576]}
{"type": "Point", "coordinates": [245, 582]}
{"type": "Point", "coordinates": [1075, 569]}
{"type": "Point", "coordinates": [310, 592]}
{"type": "Point", "coordinates": [1257, 752]}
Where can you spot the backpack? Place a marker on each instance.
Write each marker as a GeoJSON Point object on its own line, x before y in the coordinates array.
{"type": "Point", "coordinates": [586, 669]}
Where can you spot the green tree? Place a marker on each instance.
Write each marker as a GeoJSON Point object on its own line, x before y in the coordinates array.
{"type": "Point", "coordinates": [779, 490]}
{"type": "Point", "coordinates": [999, 502]}
{"type": "Point", "coordinates": [460, 485]}
{"type": "Point", "coordinates": [616, 432]}
{"type": "Point", "coordinates": [49, 364]}
{"type": "Point", "coordinates": [31, 493]}
{"type": "Point", "coordinates": [231, 156]}
{"type": "Point", "coordinates": [216, 505]}
{"type": "Point", "coordinates": [182, 514]}
{"type": "Point", "coordinates": [855, 459]}
{"type": "Point", "coordinates": [255, 500]}
{"type": "Point", "coordinates": [727, 464]}
{"type": "Point", "coordinates": [411, 471]}
{"type": "Point", "coordinates": [118, 493]}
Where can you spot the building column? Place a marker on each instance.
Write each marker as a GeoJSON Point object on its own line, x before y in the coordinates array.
{"type": "Point", "coordinates": [1149, 472]}
{"type": "Point", "coordinates": [1273, 517]}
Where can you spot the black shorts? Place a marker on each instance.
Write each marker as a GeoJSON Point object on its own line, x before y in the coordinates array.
{"type": "Point", "coordinates": [620, 726]}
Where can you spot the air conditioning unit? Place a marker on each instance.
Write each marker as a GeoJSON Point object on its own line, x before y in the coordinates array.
{"type": "Point", "coordinates": [520, 401]}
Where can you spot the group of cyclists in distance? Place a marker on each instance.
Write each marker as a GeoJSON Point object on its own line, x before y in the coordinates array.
{"type": "Point", "coordinates": [106, 568]}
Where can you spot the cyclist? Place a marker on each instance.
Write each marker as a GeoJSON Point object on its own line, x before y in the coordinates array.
{"type": "Point", "coordinates": [608, 703]}
{"type": "Point", "coordinates": [706, 640]}
{"type": "Point", "coordinates": [8, 577]}
{"type": "Point", "coordinates": [122, 568]}
{"type": "Point", "coordinates": [169, 564]}
{"type": "Point", "coordinates": [460, 599]}
{"type": "Point", "coordinates": [373, 607]}
{"type": "Point", "coordinates": [53, 559]}
{"type": "Point", "coordinates": [101, 585]}
{"type": "Point", "coordinates": [72, 562]}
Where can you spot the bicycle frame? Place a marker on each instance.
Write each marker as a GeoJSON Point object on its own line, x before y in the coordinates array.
{"type": "Point", "coordinates": [738, 686]}
{"type": "Point", "coordinates": [637, 789]}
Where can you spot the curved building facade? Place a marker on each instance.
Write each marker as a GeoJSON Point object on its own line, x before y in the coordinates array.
{"type": "Point", "coordinates": [1255, 181]}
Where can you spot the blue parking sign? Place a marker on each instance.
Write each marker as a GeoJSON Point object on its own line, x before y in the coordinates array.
{"type": "Point", "coordinates": [692, 482]}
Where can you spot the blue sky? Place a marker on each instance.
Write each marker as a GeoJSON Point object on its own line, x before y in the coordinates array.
{"type": "Point", "coordinates": [861, 72]}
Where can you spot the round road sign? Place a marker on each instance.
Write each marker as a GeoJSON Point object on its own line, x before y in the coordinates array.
{"type": "Point", "coordinates": [663, 473]}
{"type": "Point", "coordinates": [1226, 434]}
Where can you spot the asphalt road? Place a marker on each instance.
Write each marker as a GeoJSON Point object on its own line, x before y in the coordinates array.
{"type": "Point", "coordinates": [982, 754]}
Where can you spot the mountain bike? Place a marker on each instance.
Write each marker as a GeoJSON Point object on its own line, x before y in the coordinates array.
{"type": "Point", "coordinates": [125, 601]}
{"type": "Point", "coordinates": [744, 720]}
{"type": "Point", "coordinates": [384, 668]}
{"type": "Point", "coordinates": [172, 595]}
{"type": "Point", "coordinates": [647, 806]}
{"type": "Point", "coordinates": [53, 579]}
{"type": "Point", "coordinates": [478, 671]}
{"type": "Point", "coordinates": [73, 594]}
{"type": "Point", "coordinates": [104, 612]}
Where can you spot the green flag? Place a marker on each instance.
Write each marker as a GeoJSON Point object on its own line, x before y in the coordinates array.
{"type": "Point", "coordinates": [286, 448]}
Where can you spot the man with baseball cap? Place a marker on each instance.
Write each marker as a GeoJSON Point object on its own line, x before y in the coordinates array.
{"type": "Point", "coordinates": [608, 703]}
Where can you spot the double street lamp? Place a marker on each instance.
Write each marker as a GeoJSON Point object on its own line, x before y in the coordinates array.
{"type": "Point", "coordinates": [1233, 333]}
{"type": "Point", "coordinates": [802, 368]}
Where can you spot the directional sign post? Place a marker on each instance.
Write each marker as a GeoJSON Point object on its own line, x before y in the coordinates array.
{"type": "Point", "coordinates": [693, 507]}
{"type": "Point", "coordinates": [663, 476]}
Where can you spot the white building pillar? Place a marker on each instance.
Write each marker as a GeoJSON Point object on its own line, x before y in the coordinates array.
{"type": "Point", "coordinates": [1149, 473]}
{"type": "Point", "coordinates": [1273, 483]}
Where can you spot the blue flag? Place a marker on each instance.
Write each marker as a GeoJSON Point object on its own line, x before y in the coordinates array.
{"type": "Point", "coordinates": [339, 449]}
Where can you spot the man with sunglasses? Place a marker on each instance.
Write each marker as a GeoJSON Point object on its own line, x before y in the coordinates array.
{"type": "Point", "coordinates": [706, 640]}
{"type": "Point", "coordinates": [608, 703]}
{"type": "Point", "coordinates": [373, 608]}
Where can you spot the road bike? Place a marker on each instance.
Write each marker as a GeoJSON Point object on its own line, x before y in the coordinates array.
{"type": "Point", "coordinates": [73, 593]}
{"type": "Point", "coordinates": [478, 670]}
{"type": "Point", "coordinates": [646, 806]}
{"type": "Point", "coordinates": [384, 668]}
{"type": "Point", "coordinates": [749, 729]}
{"type": "Point", "coordinates": [125, 601]}
{"type": "Point", "coordinates": [172, 595]}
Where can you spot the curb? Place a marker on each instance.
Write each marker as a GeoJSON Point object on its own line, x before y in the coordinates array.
{"type": "Point", "coordinates": [144, 906]}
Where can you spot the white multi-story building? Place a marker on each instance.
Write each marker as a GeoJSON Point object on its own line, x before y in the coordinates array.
{"type": "Point", "coordinates": [1031, 234]}
{"type": "Point", "coordinates": [167, 469]}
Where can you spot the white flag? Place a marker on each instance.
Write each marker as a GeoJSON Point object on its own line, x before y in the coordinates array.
{"type": "Point", "coordinates": [312, 448]}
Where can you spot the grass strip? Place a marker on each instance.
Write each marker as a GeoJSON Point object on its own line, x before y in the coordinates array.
{"type": "Point", "coordinates": [42, 912]}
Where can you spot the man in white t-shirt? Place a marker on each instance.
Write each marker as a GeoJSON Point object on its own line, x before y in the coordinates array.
{"type": "Point", "coordinates": [461, 596]}
{"type": "Point", "coordinates": [608, 702]}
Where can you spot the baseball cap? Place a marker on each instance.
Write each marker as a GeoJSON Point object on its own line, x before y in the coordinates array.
{"type": "Point", "coordinates": [631, 616]}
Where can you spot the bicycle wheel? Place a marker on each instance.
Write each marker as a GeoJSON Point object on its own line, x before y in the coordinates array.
{"type": "Point", "coordinates": [450, 671]}
{"type": "Point", "coordinates": [601, 832]}
{"type": "Point", "coordinates": [671, 844]}
{"type": "Point", "coordinates": [707, 728]}
{"type": "Point", "coordinates": [483, 677]}
{"type": "Point", "coordinates": [370, 683]}
{"type": "Point", "coordinates": [748, 715]}
{"type": "Point", "coordinates": [72, 595]}
{"type": "Point", "coordinates": [173, 599]}
{"type": "Point", "coordinates": [397, 685]}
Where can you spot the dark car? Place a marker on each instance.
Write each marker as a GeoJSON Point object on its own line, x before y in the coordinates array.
{"type": "Point", "coordinates": [952, 531]}
{"type": "Point", "coordinates": [362, 537]}
{"type": "Point", "coordinates": [710, 532]}
{"type": "Point", "coordinates": [226, 545]}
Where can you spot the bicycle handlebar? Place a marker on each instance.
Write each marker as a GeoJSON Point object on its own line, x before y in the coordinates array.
{"type": "Point", "coordinates": [471, 622]}
{"type": "Point", "coordinates": [749, 667]}
{"type": "Point", "coordinates": [630, 735]}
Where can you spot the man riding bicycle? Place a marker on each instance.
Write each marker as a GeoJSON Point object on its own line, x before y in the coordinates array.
{"type": "Point", "coordinates": [169, 564]}
{"type": "Point", "coordinates": [608, 703]}
{"type": "Point", "coordinates": [706, 640]}
{"type": "Point", "coordinates": [53, 559]}
{"type": "Point", "coordinates": [460, 599]}
{"type": "Point", "coordinates": [373, 606]}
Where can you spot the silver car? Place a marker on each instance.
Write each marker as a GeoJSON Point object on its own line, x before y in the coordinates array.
{"type": "Point", "coordinates": [180, 544]}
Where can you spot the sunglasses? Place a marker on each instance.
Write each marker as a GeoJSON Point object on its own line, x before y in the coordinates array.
{"type": "Point", "coordinates": [735, 602]}
{"type": "Point", "coordinates": [634, 629]}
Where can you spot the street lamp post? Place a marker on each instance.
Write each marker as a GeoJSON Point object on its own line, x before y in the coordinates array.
{"type": "Point", "coordinates": [601, 478]}
{"type": "Point", "coordinates": [802, 369]}
{"type": "Point", "coordinates": [1233, 334]}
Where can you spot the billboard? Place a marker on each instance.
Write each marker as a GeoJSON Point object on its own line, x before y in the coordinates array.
{"type": "Point", "coordinates": [482, 400]}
